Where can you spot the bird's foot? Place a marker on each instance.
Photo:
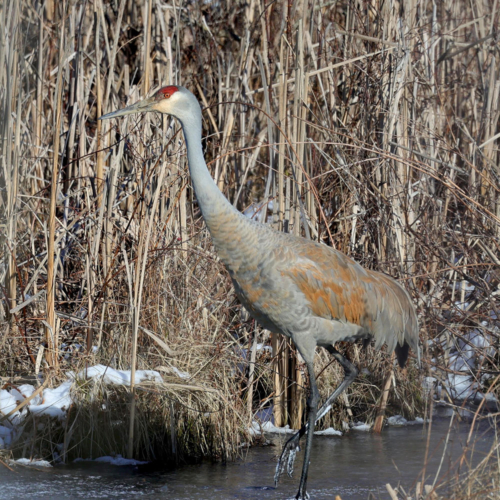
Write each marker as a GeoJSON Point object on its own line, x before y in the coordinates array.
{"type": "Point", "coordinates": [302, 495]}
{"type": "Point", "coordinates": [287, 458]}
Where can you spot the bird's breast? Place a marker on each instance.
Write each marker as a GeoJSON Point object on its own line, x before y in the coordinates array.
{"type": "Point", "coordinates": [262, 299]}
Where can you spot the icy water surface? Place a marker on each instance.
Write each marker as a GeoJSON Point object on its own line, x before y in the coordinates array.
{"type": "Point", "coordinates": [350, 466]}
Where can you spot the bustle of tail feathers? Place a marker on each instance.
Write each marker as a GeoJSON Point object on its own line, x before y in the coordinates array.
{"type": "Point", "coordinates": [402, 353]}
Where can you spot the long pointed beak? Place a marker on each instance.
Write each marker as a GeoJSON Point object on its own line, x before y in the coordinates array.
{"type": "Point", "coordinates": [138, 107]}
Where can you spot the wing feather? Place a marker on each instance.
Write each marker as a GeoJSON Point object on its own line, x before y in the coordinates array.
{"type": "Point", "coordinates": [336, 287]}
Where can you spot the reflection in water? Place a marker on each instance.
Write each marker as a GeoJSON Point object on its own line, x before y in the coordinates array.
{"type": "Point", "coordinates": [351, 466]}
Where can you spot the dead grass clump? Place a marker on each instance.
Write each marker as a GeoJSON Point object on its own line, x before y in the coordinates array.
{"type": "Point", "coordinates": [183, 418]}
{"type": "Point", "coordinates": [167, 429]}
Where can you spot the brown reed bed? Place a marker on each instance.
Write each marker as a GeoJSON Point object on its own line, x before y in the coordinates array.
{"type": "Point", "coordinates": [369, 127]}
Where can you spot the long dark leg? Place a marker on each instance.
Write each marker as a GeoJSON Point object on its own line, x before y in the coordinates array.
{"type": "Point", "coordinates": [350, 373]}
{"type": "Point", "coordinates": [287, 457]}
{"type": "Point", "coordinates": [312, 408]}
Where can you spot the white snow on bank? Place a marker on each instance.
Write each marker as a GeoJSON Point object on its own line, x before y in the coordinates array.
{"type": "Point", "coordinates": [184, 375]}
{"type": "Point", "coordinates": [328, 432]}
{"type": "Point", "coordinates": [488, 396]}
{"type": "Point", "coordinates": [55, 402]}
{"type": "Point", "coordinates": [466, 354]}
{"type": "Point", "coordinates": [400, 421]}
{"type": "Point", "coordinates": [397, 420]}
{"type": "Point", "coordinates": [117, 460]}
{"type": "Point", "coordinates": [361, 426]}
{"type": "Point", "coordinates": [34, 463]}
{"type": "Point", "coordinates": [7, 402]}
{"type": "Point", "coordinates": [118, 377]}
{"type": "Point", "coordinates": [25, 391]}
{"type": "Point", "coordinates": [257, 429]}
{"type": "Point", "coordinates": [6, 436]}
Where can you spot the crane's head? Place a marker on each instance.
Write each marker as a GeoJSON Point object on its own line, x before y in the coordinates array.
{"type": "Point", "coordinates": [173, 100]}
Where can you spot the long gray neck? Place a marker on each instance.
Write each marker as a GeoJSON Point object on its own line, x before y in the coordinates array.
{"type": "Point", "coordinates": [223, 221]}
{"type": "Point", "coordinates": [211, 201]}
{"type": "Point", "coordinates": [235, 237]}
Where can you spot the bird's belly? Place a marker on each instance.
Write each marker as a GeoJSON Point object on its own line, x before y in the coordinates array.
{"type": "Point", "coordinates": [330, 331]}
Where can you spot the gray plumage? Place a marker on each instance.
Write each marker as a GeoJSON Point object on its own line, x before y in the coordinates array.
{"type": "Point", "coordinates": [307, 291]}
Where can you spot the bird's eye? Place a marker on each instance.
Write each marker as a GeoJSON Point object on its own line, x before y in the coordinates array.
{"type": "Point", "coordinates": [165, 92]}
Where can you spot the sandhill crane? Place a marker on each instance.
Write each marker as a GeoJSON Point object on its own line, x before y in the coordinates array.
{"type": "Point", "coordinates": [304, 290]}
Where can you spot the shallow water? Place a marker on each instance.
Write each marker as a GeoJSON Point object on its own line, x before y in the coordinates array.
{"type": "Point", "coordinates": [350, 466]}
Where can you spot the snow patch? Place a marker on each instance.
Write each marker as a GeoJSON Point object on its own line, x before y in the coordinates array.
{"type": "Point", "coordinates": [25, 391]}
{"type": "Point", "coordinates": [119, 460]}
{"type": "Point", "coordinates": [400, 421]}
{"type": "Point", "coordinates": [257, 429]}
{"type": "Point", "coordinates": [328, 432]}
{"type": "Point", "coordinates": [467, 353]}
{"type": "Point", "coordinates": [109, 375]}
{"type": "Point", "coordinates": [361, 426]}
{"type": "Point", "coordinates": [7, 402]}
{"type": "Point", "coordinates": [6, 436]}
{"type": "Point", "coordinates": [36, 463]}
{"type": "Point", "coordinates": [184, 375]}
{"type": "Point", "coordinates": [397, 420]}
{"type": "Point", "coordinates": [489, 396]}
{"type": "Point", "coordinates": [56, 402]}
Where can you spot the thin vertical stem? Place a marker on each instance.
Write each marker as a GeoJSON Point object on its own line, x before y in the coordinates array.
{"type": "Point", "coordinates": [99, 159]}
{"type": "Point", "coordinates": [50, 331]}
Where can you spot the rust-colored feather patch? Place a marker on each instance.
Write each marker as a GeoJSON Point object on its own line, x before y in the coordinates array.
{"type": "Point", "coordinates": [336, 287]}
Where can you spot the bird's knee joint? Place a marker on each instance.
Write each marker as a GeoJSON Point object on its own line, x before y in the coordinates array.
{"type": "Point", "coordinates": [313, 400]}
